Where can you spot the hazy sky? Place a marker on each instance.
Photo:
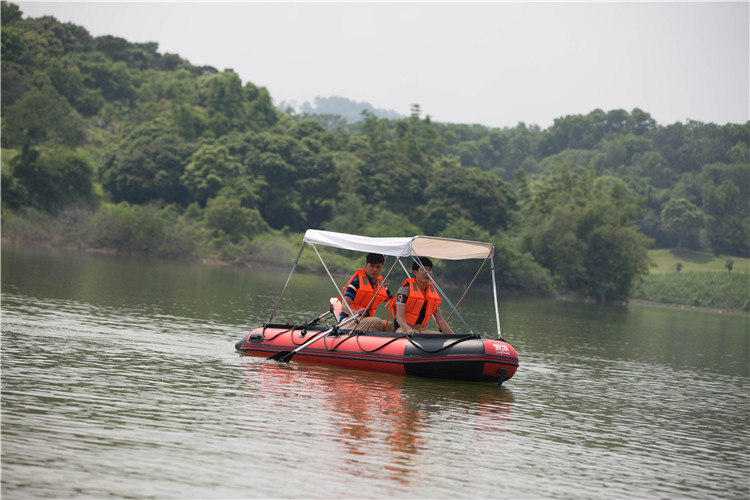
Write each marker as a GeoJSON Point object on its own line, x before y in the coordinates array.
{"type": "Point", "coordinates": [493, 63]}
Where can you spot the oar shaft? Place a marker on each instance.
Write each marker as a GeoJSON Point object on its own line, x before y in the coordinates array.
{"type": "Point", "coordinates": [323, 334]}
{"type": "Point", "coordinates": [287, 356]}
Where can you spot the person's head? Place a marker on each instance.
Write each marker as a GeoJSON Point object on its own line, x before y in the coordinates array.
{"type": "Point", "coordinates": [417, 271]}
{"type": "Point", "coordinates": [374, 265]}
{"type": "Point", "coordinates": [375, 258]}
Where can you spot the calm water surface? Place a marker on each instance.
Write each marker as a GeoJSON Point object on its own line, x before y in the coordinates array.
{"type": "Point", "coordinates": [120, 380]}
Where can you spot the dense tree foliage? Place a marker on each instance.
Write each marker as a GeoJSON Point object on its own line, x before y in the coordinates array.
{"type": "Point", "coordinates": [167, 149]}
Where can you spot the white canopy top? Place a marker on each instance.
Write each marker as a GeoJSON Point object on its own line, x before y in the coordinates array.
{"type": "Point", "coordinates": [420, 246]}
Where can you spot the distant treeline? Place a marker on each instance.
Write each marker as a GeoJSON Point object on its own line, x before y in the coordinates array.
{"type": "Point", "coordinates": [129, 149]}
{"type": "Point", "coordinates": [335, 111]}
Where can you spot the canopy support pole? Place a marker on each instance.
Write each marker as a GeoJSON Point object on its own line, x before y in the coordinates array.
{"type": "Point", "coordinates": [494, 295]}
{"type": "Point", "coordinates": [408, 275]}
{"type": "Point", "coordinates": [340, 295]}
{"type": "Point", "coordinates": [468, 287]}
{"type": "Point", "coordinates": [340, 292]}
{"type": "Point", "coordinates": [287, 281]}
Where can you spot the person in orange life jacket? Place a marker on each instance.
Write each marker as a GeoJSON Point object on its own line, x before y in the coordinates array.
{"type": "Point", "coordinates": [360, 289]}
{"type": "Point", "coordinates": [417, 301]}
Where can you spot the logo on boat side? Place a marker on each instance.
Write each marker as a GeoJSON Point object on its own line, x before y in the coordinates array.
{"type": "Point", "coordinates": [502, 349]}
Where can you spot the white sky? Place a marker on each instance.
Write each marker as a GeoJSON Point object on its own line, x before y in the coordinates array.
{"type": "Point", "coordinates": [492, 63]}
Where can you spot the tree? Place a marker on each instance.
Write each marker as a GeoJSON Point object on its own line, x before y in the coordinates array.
{"type": "Point", "coordinates": [224, 102]}
{"type": "Point", "coordinates": [10, 14]}
{"type": "Point", "coordinates": [375, 130]}
{"type": "Point", "coordinates": [69, 83]}
{"type": "Point", "coordinates": [681, 219]}
{"type": "Point", "coordinates": [616, 256]}
{"type": "Point", "coordinates": [316, 189]}
{"type": "Point", "coordinates": [725, 203]}
{"type": "Point", "coordinates": [581, 228]}
{"type": "Point", "coordinates": [227, 218]}
{"type": "Point", "coordinates": [51, 180]}
{"type": "Point", "coordinates": [454, 192]}
{"type": "Point", "coordinates": [640, 122]}
{"type": "Point", "coordinates": [651, 164]}
{"type": "Point", "coordinates": [210, 169]}
{"type": "Point", "coordinates": [113, 79]}
{"type": "Point", "coordinates": [261, 113]}
{"type": "Point", "coordinates": [232, 107]}
{"type": "Point", "coordinates": [417, 139]}
{"type": "Point", "coordinates": [189, 122]}
{"type": "Point", "coordinates": [390, 178]}
{"type": "Point", "coordinates": [285, 164]}
{"type": "Point", "coordinates": [42, 115]}
{"type": "Point", "coordinates": [147, 166]}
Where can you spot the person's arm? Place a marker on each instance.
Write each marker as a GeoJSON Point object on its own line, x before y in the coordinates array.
{"type": "Point", "coordinates": [351, 291]}
{"type": "Point", "coordinates": [441, 323]}
{"type": "Point", "coordinates": [400, 309]}
{"type": "Point", "coordinates": [349, 301]}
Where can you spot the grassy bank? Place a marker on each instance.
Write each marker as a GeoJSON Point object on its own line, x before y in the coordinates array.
{"type": "Point", "coordinates": [727, 292]}
{"type": "Point", "coordinates": [703, 281]}
{"type": "Point", "coordinates": [666, 261]}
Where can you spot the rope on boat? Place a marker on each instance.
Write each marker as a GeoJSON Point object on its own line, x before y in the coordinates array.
{"type": "Point", "coordinates": [291, 328]}
{"type": "Point", "coordinates": [280, 333]}
{"type": "Point", "coordinates": [458, 341]}
{"type": "Point", "coordinates": [408, 337]}
{"type": "Point", "coordinates": [355, 334]}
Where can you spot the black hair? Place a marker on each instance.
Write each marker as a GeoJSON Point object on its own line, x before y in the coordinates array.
{"type": "Point", "coordinates": [426, 262]}
{"type": "Point", "coordinates": [375, 258]}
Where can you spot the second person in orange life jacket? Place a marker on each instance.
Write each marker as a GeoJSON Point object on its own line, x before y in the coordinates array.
{"type": "Point", "coordinates": [360, 289]}
{"type": "Point", "coordinates": [417, 301]}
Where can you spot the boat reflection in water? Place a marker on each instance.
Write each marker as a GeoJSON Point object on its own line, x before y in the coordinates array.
{"type": "Point", "coordinates": [366, 423]}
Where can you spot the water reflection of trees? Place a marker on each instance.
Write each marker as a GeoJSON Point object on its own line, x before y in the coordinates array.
{"type": "Point", "coordinates": [380, 422]}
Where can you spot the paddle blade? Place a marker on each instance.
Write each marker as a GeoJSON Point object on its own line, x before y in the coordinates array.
{"type": "Point", "coordinates": [283, 356]}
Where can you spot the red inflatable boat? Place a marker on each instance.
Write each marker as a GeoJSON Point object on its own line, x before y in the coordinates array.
{"type": "Point", "coordinates": [466, 356]}
{"type": "Point", "coordinates": [461, 357]}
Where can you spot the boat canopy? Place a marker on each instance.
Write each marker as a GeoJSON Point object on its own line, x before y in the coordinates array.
{"type": "Point", "coordinates": [414, 246]}
{"type": "Point", "coordinates": [417, 246]}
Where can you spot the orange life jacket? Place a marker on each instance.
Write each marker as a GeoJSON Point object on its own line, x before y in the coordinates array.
{"type": "Point", "coordinates": [416, 299]}
{"type": "Point", "coordinates": [364, 293]}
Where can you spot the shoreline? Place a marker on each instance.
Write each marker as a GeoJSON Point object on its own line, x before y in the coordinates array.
{"type": "Point", "coordinates": [685, 307]}
{"type": "Point", "coordinates": [563, 297]}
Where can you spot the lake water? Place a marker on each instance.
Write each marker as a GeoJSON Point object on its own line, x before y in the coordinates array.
{"type": "Point", "coordinates": [120, 380]}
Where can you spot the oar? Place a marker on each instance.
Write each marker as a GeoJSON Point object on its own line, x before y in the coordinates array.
{"type": "Point", "coordinates": [286, 356]}
{"type": "Point", "coordinates": [316, 320]}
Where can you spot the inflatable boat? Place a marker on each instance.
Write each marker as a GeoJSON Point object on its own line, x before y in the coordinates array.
{"type": "Point", "coordinates": [461, 356]}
